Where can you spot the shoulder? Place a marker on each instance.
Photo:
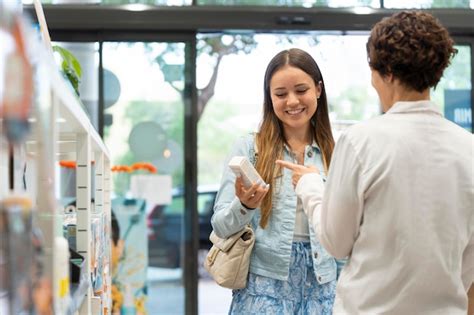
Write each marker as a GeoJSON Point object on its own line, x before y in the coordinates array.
{"type": "Point", "coordinates": [243, 144]}
{"type": "Point", "coordinates": [458, 131]}
{"type": "Point", "coordinates": [367, 127]}
{"type": "Point", "coordinates": [362, 136]}
{"type": "Point", "coordinates": [355, 133]}
{"type": "Point", "coordinates": [246, 140]}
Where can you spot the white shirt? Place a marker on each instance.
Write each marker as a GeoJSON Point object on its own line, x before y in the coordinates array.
{"type": "Point", "coordinates": [399, 201]}
{"type": "Point", "coordinates": [301, 233]}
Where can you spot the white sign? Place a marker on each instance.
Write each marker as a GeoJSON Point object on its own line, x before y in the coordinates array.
{"type": "Point", "coordinates": [155, 189]}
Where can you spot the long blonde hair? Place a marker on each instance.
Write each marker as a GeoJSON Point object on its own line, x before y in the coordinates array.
{"type": "Point", "coordinates": [270, 139]}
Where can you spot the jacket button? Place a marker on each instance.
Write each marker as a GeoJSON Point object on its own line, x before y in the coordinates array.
{"type": "Point", "coordinates": [243, 211]}
{"type": "Point", "coordinates": [310, 154]}
{"type": "Point", "coordinates": [315, 255]}
{"type": "Point", "coordinates": [320, 278]}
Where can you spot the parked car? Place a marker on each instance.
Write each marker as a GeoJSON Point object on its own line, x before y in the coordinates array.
{"type": "Point", "coordinates": [165, 225]}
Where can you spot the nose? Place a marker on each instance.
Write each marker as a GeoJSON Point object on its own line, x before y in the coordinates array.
{"type": "Point", "coordinates": [292, 99]}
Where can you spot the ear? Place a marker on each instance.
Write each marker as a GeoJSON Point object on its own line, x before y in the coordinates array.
{"type": "Point", "coordinates": [389, 78]}
{"type": "Point", "coordinates": [319, 89]}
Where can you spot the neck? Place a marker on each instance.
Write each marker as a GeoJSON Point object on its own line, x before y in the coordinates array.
{"type": "Point", "coordinates": [401, 94]}
{"type": "Point", "coordinates": [298, 139]}
{"type": "Point", "coordinates": [413, 96]}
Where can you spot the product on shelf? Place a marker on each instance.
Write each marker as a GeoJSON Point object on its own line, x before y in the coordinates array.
{"type": "Point", "coordinates": [16, 97]}
{"type": "Point", "coordinates": [61, 268]}
{"type": "Point", "coordinates": [16, 251]}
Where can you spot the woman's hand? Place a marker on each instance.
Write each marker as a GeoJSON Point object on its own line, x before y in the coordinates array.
{"type": "Point", "coordinates": [251, 197]}
{"type": "Point", "coordinates": [298, 170]}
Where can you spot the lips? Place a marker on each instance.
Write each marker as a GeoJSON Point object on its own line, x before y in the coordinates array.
{"type": "Point", "coordinates": [295, 111]}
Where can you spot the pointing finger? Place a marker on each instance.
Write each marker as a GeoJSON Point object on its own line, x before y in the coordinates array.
{"type": "Point", "coordinates": [288, 165]}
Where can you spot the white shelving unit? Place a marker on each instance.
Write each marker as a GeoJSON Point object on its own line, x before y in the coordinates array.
{"type": "Point", "coordinates": [62, 130]}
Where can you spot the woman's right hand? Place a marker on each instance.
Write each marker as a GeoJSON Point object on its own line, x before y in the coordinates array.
{"type": "Point", "coordinates": [251, 197]}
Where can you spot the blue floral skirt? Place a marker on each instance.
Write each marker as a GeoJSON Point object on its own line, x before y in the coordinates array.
{"type": "Point", "coordinates": [301, 294]}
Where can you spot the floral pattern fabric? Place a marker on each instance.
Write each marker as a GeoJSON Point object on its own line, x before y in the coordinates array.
{"type": "Point", "coordinates": [301, 294]}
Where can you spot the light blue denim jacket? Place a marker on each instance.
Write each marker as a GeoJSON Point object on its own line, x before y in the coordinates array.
{"type": "Point", "coordinates": [272, 250]}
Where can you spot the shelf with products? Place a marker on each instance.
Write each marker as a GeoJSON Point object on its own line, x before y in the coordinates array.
{"type": "Point", "coordinates": [60, 129]}
{"type": "Point", "coordinates": [76, 140]}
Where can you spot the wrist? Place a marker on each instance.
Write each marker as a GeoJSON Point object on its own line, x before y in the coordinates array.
{"type": "Point", "coordinates": [246, 207]}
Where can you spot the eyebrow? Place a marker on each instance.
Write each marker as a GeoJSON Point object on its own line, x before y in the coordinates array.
{"type": "Point", "coordinates": [301, 85]}
{"type": "Point", "coordinates": [296, 86]}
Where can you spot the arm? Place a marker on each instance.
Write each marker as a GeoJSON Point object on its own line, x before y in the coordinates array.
{"type": "Point", "coordinates": [468, 274]}
{"type": "Point", "coordinates": [310, 189]}
{"type": "Point", "coordinates": [343, 202]}
{"type": "Point", "coordinates": [335, 211]}
{"type": "Point", "coordinates": [229, 215]}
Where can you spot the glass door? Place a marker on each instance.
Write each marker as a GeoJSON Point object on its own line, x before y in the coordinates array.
{"type": "Point", "coordinates": [235, 108]}
{"type": "Point", "coordinates": [231, 68]}
{"type": "Point", "coordinates": [144, 130]}
{"type": "Point", "coordinates": [454, 93]}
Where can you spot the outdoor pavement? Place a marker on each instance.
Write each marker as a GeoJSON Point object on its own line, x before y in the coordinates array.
{"type": "Point", "coordinates": [166, 294]}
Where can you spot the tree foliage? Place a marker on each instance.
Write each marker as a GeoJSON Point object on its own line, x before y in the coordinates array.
{"type": "Point", "coordinates": [215, 47]}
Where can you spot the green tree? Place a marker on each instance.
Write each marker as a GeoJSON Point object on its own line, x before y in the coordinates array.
{"type": "Point", "coordinates": [213, 46]}
{"type": "Point", "coordinates": [351, 104]}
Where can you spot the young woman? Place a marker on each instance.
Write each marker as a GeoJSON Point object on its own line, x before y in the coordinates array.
{"type": "Point", "coordinates": [290, 272]}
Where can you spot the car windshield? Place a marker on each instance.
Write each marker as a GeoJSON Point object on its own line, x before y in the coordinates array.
{"type": "Point", "coordinates": [205, 203]}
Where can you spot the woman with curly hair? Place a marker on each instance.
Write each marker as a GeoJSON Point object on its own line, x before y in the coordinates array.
{"type": "Point", "coordinates": [399, 195]}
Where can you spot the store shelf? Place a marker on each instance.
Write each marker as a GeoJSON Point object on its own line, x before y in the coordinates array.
{"type": "Point", "coordinates": [71, 118]}
{"type": "Point", "coordinates": [61, 128]}
{"type": "Point", "coordinates": [78, 294]}
{"type": "Point", "coordinates": [75, 137]}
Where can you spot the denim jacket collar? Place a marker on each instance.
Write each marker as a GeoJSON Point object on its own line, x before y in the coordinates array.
{"type": "Point", "coordinates": [314, 145]}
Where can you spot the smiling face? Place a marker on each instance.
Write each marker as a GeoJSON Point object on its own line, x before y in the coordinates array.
{"type": "Point", "coordinates": [294, 97]}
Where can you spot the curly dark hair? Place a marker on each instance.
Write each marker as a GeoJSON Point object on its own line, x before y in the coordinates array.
{"type": "Point", "coordinates": [413, 46]}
